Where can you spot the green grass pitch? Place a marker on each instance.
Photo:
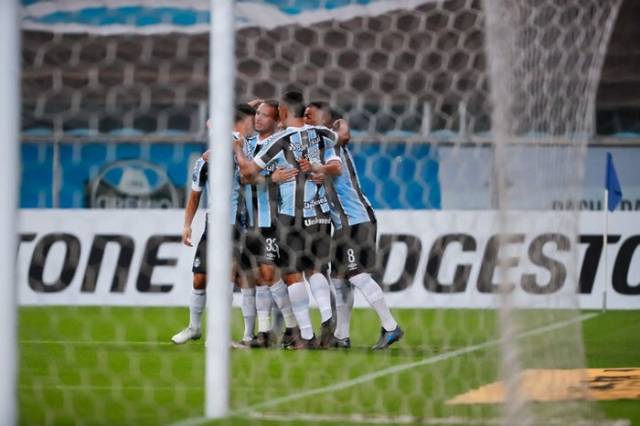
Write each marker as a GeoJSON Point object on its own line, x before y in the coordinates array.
{"type": "Point", "coordinates": [115, 366]}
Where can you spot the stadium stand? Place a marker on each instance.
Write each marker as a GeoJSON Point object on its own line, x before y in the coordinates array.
{"type": "Point", "coordinates": [389, 75]}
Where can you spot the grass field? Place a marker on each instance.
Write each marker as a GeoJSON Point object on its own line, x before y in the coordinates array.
{"type": "Point", "coordinates": [115, 366]}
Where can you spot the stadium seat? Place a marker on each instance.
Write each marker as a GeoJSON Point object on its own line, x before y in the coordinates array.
{"type": "Point", "coordinates": [94, 154]}
{"type": "Point", "coordinates": [126, 132]}
{"type": "Point", "coordinates": [381, 166]}
{"type": "Point", "coordinates": [81, 132]}
{"type": "Point", "coordinates": [38, 131]}
{"type": "Point", "coordinates": [443, 135]}
{"type": "Point", "coordinates": [428, 171]}
{"type": "Point", "coordinates": [394, 149]}
{"type": "Point", "coordinates": [414, 195]}
{"type": "Point", "coordinates": [391, 195]}
{"type": "Point", "coordinates": [405, 168]}
{"type": "Point", "coordinates": [126, 151]}
{"type": "Point", "coordinates": [627, 135]}
{"type": "Point", "coordinates": [333, 4]}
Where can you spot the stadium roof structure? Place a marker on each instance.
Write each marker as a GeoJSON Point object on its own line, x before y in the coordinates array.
{"type": "Point", "coordinates": [141, 67]}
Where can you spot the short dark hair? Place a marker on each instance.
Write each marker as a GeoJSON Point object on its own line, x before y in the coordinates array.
{"type": "Point", "coordinates": [243, 111]}
{"type": "Point", "coordinates": [335, 114]}
{"type": "Point", "coordinates": [294, 102]}
{"type": "Point", "coordinates": [324, 106]}
{"type": "Point", "coordinates": [320, 105]}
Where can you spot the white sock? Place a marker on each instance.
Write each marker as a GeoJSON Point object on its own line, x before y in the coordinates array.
{"type": "Point", "coordinates": [277, 321]}
{"type": "Point", "coordinates": [344, 306]}
{"type": "Point", "coordinates": [322, 293]}
{"type": "Point", "coordinates": [263, 308]}
{"type": "Point", "coordinates": [300, 305]}
{"type": "Point", "coordinates": [197, 302]}
{"type": "Point", "coordinates": [373, 293]}
{"type": "Point", "coordinates": [281, 297]}
{"type": "Point", "coordinates": [248, 311]}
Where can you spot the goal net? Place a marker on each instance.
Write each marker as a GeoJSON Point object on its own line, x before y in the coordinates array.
{"type": "Point", "coordinates": [468, 120]}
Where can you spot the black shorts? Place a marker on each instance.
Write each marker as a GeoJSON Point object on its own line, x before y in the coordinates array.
{"type": "Point", "coordinates": [200, 259]}
{"type": "Point", "coordinates": [303, 246]}
{"type": "Point", "coordinates": [354, 249]}
{"type": "Point", "coordinates": [261, 246]}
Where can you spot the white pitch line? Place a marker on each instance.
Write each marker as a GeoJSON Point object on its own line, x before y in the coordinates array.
{"type": "Point", "coordinates": [113, 387]}
{"type": "Point", "coordinates": [247, 411]}
{"type": "Point", "coordinates": [411, 420]}
{"type": "Point", "coordinates": [378, 420]}
{"type": "Point", "coordinates": [94, 343]}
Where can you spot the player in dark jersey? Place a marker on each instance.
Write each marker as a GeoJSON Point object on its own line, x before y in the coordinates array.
{"type": "Point", "coordinates": [243, 127]}
{"type": "Point", "coordinates": [303, 210]}
{"type": "Point", "coordinates": [354, 238]}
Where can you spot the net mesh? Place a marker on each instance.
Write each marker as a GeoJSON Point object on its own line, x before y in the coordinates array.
{"type": "Point", "coordinates": [479, 109]}
{"type": "Point", "coordinates": [545, 67]}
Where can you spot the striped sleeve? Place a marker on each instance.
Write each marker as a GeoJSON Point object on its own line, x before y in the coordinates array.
{"type": "Point", "coordinates": [199, 175]}
{"type": "Point", "coordinates": [329, 138]}
{"type": "Point", "coordinates": [269, 151]}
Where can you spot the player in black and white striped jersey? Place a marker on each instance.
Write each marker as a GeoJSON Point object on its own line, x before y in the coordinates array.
{"type": "Point", "coordinates": [354, 238]}
{"type": "Point", "coordinates": [302, 208]}
{"type": "Point", "coordinates": [261, 242]}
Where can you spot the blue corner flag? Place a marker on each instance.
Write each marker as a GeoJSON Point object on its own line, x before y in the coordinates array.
{"type": "Point", "coordinates": [612, 184]}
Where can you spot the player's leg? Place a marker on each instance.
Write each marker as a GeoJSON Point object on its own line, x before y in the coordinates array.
{"type": "Point", "coordinates": [360, 257]}
{"type": "Point", "coordinates": [319, 238]}
{"type": "Point", "coordinates": [280, 295]}
{"type": "Point", "coordinates": [269, 259]}
{"type": "Point", "coordinates": [300, 305]}
{"type": "Point", "coordinates": [198, 298]}
{"type": "Point", "coordinates": [245, 281]}
{"type": "Point", "coordinates": [344, 307]}
{"type": "Point", "coordinates": [343, 290]}
{"type": "Point", "coordinates": [292, 246]}
{"type": "Point", "coordinates": [264, 301]}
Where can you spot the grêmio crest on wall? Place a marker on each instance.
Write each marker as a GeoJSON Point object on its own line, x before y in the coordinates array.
{"type": "Point", "coordinates": [132, 184]}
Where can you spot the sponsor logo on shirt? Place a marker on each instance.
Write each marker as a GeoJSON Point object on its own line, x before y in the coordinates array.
{"type": "Point", "coordinates": [317, 221]}
{"type": "Point", "coordinates": [315, 202]}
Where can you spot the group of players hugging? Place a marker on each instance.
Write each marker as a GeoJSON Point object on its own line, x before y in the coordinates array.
{"type": "Point", "coordinates": [298, 213]}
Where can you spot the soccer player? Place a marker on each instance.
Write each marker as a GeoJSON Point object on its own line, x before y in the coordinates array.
{"type": "Point", "coordinates": [303, 210]}
{"type": "Point", "coordinates": [261, 242]}
{"type": "Point", "coordinates": [355, 240]}
{"type": "Point", "coordinates": [243, 127]}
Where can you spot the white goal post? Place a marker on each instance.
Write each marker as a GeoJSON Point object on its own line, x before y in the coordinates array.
{"type": "Point", "coordinates": [9, 128]}
{"type": "Point", "coordinates": [221, 78]}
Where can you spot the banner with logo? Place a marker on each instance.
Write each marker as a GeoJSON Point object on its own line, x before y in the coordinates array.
{"type": "Point", "coordinates": [192, 16]}
{"type": "Point", "coordinates": [427, 259]}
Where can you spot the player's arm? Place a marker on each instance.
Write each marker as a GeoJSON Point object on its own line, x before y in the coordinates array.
{"type": "Point", "coordinates": [255, 103]}
{"type": "Point", "coordinates": [279, 175]}
{"type": "Point", "coordinates": [198, 180]}
{"type": "Point", "coordinates": [332, 168]}
{"type": "Point", "coordinates": [341, 128]}
{"type": "Point", "coordinates": [267, 154]}
{"type": "Point", "coordinates": [252, 180]}
{"type": "Point", "coordinates": [249, 170]}
{"type": "Point", "coordinates": [189, 213]}
{"type": "Point", "coordinates": [332, 165]}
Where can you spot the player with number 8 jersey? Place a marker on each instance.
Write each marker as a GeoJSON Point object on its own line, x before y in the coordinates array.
{"type": "Point", "coordinates": [354, 248]}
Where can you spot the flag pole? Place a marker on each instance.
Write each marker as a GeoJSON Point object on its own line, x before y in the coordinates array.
{"type": "Point", "coordinates": [605, 237]}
